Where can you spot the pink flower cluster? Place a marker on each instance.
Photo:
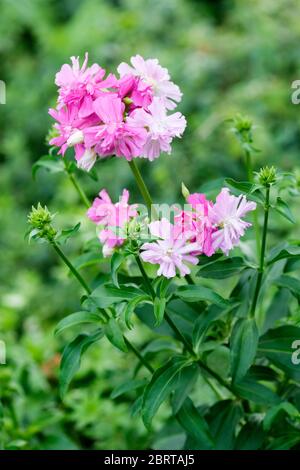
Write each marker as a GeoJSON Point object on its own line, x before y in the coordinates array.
{"type": "Point", "coordinates": [111, 218]}
{"type": "Point", "coordinates": [201, 229]}
{"type": "Point", "coordinates": [127, 116]}
{"type": "Point", "coordinates": [204, 229]}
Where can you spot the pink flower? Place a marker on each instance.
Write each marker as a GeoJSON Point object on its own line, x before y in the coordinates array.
{"type": "Point", "coordinates": [197, 223]}
{"type": "Point", "coordinates": [162, 128]}
{"type": "Point", "coordinates": [67, 124]}
{"type": "Point", "coordinates": [72, 134]}
{"type": "Point", "coordinates": [80, 85]}
{"type": "Point", "coordinates": [115, 136]}
{"type": "Point", "coordinates": [112, 217]}
{"type": "Point", "coordinates": [154, 75]}
{"type": "Point", "coordinates": [227, 215]}
{"type": "Point", "coordinates": [136, 90]}
{"type": "Point", "coordinates": [170, 252]}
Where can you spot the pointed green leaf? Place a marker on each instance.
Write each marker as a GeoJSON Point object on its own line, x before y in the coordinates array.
{"type": "Point", "coordinates": [131, 306]}
{"type": "Point", "coordinates": [195, 425]}
{"type": "Point", "coordinates": [243, 346]}
{"type": "Point", "coordinates": [251, 390]}
{"type": "Point", "coordinates": [65, 235]}
{"type": "Point", "coordinates": [76, 318]}
{"type": "Point", "coordinates": [159, 310]}
{"type": "Point", "coordinates": [273, 413]}
{"type": "Point", "coordinates": [163, 382]}
{"type": "Point", "coordinates": [49, 163]}
{"type": "Point", "coordinates": [71, 358]}
{"type": "Point", "coordinates": [128, 387]}
{"type": "Point", "coordinates": [222, 269]}
{"type": "Point", "coordinates": [276, 345]}
{"type": "Point", "coordinates": [116, 261]}
{"type": "Point", "coordinates": [107, 294]}
{"type": "Point", "coordinates": [186, 381]}
{"type": "Point", "coordinates": [283, 209]}
{"type": "Point", "coordinates": [114, 334]}
{"type": "Point", "coordinates": [197, 293]}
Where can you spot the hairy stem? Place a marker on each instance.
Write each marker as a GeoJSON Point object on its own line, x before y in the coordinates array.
{"type": "Point", "coordinates": [262, 252]}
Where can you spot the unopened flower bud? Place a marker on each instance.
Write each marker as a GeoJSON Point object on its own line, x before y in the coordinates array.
{"type": "Point", "coordinates": [40, 219]}
{"type": "Point", "coordinates": [242, 123]}
{"type": "Point", "coordinates": [242, 128]}
{"type": "Point", "coordinates": [184, 191]}
{"type": "Point", "coordinates": [87, 160]}
{"type": "Point", "coordinates": [75, 138]}
{"type": "Point", "coordinates": [267, 175]}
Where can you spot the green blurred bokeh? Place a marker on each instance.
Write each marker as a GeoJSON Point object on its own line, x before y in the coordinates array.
{"type": "Point", "coordinates": [227, 56]}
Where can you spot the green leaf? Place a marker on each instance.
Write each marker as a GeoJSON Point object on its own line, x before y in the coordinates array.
{"type": "Point", "coordinates": [222, 269]}
{"type": "Point", "coordinates": [159, 310]}
{"type": "Point", "coordinates": [203, 322]}
{"type": "Point", "coordinates": [276, 345]}
{"type": "Point", "coordinates": [195, 425]}
{"type": "Point", "coordinates": [116, 261]}
{"type": "Point", "coordinates": [279, 308]}
{"type": "Point", "coordinates": [76, 318]}
{"type": "Point", "coordinates": [186, 381]}
{"type": "Point", "coordinates": [284, 252]}
{"type": "Point", "coordinates": [128, 386]}
{"type": "Point", "coordinates": [290, 283]}
{"type": "Point", "coordinates": [250, 437]}
{"type": "Point", "coordinates": [251, 390]}
{"type": "Point", "coordinates": [273, 413]}
{"type": "Point", "coordinates": [131, 306]}
{"type": "Point", "coordinates": [107, 294]}
{"type": "Point", "coordinates": [285, 442]}
{"type": "Point", "coordinates": [158, 345]}
{"type": "Point", "coordinates": [71, 358]}
{"type": "Point", "coordinates": [219, 360]}
{"type": "Point", "coordinates": [64, 235]}
{"type": "Point", "coordinates": [223, 419]}
{"type": "Point", "coordinates": [114, 334]}
{"type": "Point", "coordinates": [88, 259]}
{"type": "Point", "coordinates": [49, 163]}
{"type": "Point", "coordinates": [197, 293]}
{"type": "Point", "coordinates": [163, 382]}
{"type": "Point", "coordinates": [283, 209]}
{"type": "Point", "coordinates": [242, 186]}
{"type": "Point", "coordinates": [243, 345]}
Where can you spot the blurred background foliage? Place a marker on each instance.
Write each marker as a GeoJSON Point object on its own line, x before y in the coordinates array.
{"type": "Point", "coordinates": [227, 56]}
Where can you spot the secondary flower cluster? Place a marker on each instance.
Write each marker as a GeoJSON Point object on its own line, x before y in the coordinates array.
{"type": "Point", "coordinates": [203, 227]}
{"type": "Point", "coordinates": [125, 115]}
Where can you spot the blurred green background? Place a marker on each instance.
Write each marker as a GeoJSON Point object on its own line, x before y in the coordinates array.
{"type": "Point", "coordinates": [227, 56]}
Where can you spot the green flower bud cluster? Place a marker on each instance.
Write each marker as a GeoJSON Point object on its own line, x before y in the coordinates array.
{"type": "Point", "coordinates": [40, 220]}
{"type": "Point", "coordinates": [267, 175]}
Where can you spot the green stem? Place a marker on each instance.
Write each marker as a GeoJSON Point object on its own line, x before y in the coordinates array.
{"type": "Point", "coordinates": [262, 252]}
{"type": "Point", "coordinates": [77, 186]}
{"type": "Point", "coordinates": [138, 355]}
{"type": "Point", "coordinates": [89, 291]}
{"type": "Point", "coordinates": [71, 267]}
{"type": "Point", "coordinates": [143, 188]}
{"type": "Point", "coordinates": [249, 168]}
